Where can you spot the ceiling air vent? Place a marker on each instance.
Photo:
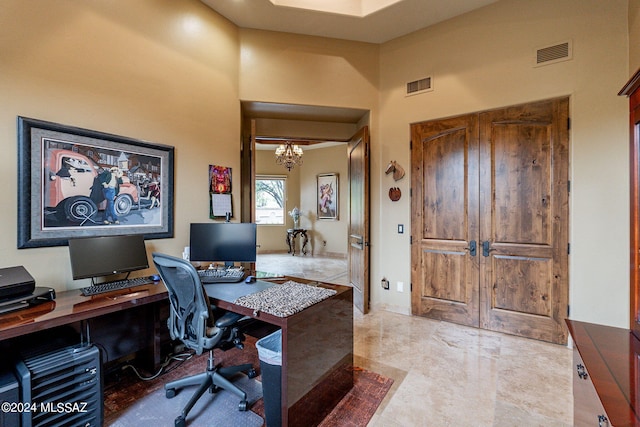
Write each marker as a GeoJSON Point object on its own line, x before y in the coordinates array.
{"type": "Point", "coordinates": [419, 86]}
{"type": "Point", "coordinates": [555, 53]}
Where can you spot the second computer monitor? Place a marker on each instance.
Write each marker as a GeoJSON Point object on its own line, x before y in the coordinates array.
{"type": "Point", "coordinates": [226, 242]}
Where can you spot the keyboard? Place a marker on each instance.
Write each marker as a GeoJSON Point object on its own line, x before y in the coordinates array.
{"type": "Point", "coordinates": [226, 275]}
{"type": "Point", "coordinates": [101, 288]}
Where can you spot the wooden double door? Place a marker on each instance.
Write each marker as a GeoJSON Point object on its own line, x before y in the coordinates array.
{"type": "Point", "coordinates": [490, 197]}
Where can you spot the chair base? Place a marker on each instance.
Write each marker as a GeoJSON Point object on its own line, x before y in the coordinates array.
{"type": "Point", "coordinates": [212, 379]}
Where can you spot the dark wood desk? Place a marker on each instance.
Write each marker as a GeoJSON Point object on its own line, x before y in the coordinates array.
{"type": "Point", "coordinates": [108, 312]}
{"type": "Point", "coordinates": [317, 349]}
{"type": "Point", "coordinates": [317, 343]}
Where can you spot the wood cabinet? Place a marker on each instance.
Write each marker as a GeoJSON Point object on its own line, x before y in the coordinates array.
{"type": "Point", "coordinates": [606, 375]}
{"type": "Point", "coordinates": [587, 408]}
{"type": "Point", "coordinates": [631, 90]}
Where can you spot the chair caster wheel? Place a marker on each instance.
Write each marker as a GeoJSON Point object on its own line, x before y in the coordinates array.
{"type": "Point", "coordinates": [251, 373]}
{"type": "Point", "coordinates": [243, 406]}
{"type": "Point", "coordinates": [170, 393]}
{"type": "Point", "coordinates": [180, 422]}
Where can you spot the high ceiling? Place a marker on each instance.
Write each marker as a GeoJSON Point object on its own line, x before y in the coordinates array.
{"type": "Point", "coordinates": [343, 19]}
{"type": "Point", "coordinates": [372, 21]}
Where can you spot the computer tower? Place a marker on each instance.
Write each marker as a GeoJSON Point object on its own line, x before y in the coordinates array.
{"type": "Point", "coordinates": [9, 393]}
{"type": "Point", "coordinates": [61, 387]}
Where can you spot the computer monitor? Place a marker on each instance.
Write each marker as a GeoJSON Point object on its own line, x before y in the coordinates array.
{"type": "Point", "coordinates": [226, 242]}
{"type": "Point", "coordinates": [106, 255]}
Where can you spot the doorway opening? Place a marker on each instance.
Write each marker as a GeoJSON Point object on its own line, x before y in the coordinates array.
{"type": "Point", "coordinates": [323, 134]}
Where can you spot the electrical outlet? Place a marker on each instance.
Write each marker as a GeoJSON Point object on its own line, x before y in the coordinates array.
{"type": "Point", "coordinates": [400, 286]}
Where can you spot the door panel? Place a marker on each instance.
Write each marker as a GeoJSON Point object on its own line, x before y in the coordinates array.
{"type": "Point", "coordinates": [445, 212]}
{"type": "Point", "coordinates": [524, 219]}
{"type": "Point", "coordinates": [358, 247]}
{"type": "Point", "coordinates": [497, 180]}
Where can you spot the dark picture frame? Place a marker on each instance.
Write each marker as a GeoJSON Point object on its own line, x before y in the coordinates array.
{"type": "Point", "coordinates": [66, 174]}
{"type": "Point", "coordinates": [328, 195]}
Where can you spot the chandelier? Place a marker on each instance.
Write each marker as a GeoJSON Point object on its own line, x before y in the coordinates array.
{"type": "Point", "coordinates": [289, 155]}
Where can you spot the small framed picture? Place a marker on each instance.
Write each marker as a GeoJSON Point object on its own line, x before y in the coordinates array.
{"type": "Point", "coordinates": [328, 196]}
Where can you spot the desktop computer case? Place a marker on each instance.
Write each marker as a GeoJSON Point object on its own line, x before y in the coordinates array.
{"type": "Point", "coordinates": [62, 387]}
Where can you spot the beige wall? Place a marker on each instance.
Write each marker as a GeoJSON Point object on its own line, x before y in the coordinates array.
{"type": "Point", "coordinates": [328, 237]}
{"type": "Point", "coordinates": [634, 36]}
{"type": "Point", "coordinates": [301, 192]}
{"type": "Point", "coordinates": [483, 60]}
{"type": "Point", "coordinates": [173, 72]}
{"type": "Point", "coordinates": [164, 71]}
{"type": "Point", "coordinates": [271, 238]}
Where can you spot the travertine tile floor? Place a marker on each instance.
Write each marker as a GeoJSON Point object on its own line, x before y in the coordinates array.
{"type": "Point", "coordinates": [446, 374]}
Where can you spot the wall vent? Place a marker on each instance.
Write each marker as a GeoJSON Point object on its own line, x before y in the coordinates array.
{"type": "Point", "coordinates": [419, 86]}
{"type": "Point", "coordinates": [552, 54]}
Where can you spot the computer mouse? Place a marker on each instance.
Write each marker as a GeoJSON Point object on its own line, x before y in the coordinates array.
{"type": "Point", "coordinates": [154, 277]}
{"type": "Point", "coordinates": [250, 279]}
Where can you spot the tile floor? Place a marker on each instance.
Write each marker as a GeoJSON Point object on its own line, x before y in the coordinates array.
{"type": "Point", "coordinates": [446, 374]}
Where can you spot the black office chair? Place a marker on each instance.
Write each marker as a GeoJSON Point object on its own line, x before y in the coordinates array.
{"type": "Point", "coordinates": [190, 321]}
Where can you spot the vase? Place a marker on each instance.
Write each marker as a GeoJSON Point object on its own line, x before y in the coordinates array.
{"type": "Point", "coordinates": [296, 223]}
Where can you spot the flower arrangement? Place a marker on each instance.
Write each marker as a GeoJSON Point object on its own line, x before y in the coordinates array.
{"type": "Point", "coordinates": [295, 214]}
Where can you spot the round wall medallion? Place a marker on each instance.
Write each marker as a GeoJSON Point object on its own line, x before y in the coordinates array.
{"type": "Point", "coordinates": [394, 194]}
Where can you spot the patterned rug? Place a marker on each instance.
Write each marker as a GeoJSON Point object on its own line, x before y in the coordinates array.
{"type": "Point", "coordinates": [124, 393]}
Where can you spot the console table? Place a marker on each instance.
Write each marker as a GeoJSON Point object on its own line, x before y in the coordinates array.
{"type": "Point", "coordinates": [317, 348]}
{"type": "Point", "coordinates": [292, 233]}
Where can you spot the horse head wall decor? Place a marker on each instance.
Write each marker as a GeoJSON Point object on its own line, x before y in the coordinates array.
{"type": "Point", "coordinates": [398, 171]}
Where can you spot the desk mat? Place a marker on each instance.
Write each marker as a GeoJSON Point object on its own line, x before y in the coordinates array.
{"type": "Point", "coordinates": [285, 299]}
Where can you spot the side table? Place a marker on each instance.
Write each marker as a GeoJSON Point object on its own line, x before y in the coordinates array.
{"type": "Point", "coordinates": [292, 233]}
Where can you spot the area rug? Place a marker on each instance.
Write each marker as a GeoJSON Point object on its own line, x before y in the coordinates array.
{"type": "Point", "coordinates": [121, 395]}
{"type": "Point", "coordinates": [217, 409]}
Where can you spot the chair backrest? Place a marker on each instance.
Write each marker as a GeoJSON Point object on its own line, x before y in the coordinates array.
{"type": "Point", "coordinates": [190, 307]}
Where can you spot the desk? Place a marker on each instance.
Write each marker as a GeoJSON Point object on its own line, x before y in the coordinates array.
{"type": "Point", "coordinates": [70, 307]}
{"type": "Point", "coordinates": [317, 343]}
{"type": "Point", "coordinates": [317, 348]}
{"type": "Point", "coordinates": [292, 233]}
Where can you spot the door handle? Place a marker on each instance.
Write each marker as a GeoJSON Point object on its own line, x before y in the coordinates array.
{"type": "Point", "coordinates": [486, 248]}
{"type": "Point", "coordinates": [359, 243]}
{"type": "Point", "coordinates": [472, 248]}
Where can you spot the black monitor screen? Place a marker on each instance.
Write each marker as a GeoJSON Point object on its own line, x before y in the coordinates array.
{"type": "Point", "coordinates": [102, 256]}
{"type": "Point", "coordinates": [223, 241]}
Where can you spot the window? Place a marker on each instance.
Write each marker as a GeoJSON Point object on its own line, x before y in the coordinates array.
{"type": "Point", "coordinates": [270, 198]}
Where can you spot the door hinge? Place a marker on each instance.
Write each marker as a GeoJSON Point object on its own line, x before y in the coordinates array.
{"type": "Point", "coordinates": [410, 286]}
{"type": "Point", "coordinates": [411, 144]}
{"type": "Point", "coordinates": [568, 248]}
{"type": "Point", "coordinates": [411, 240]}
{"type": "Point", "coordinates": [568, 123]}
{"type": "Point", "coordinates": [569, 186]}
{"type": "Point", "coordinates": [568, 310]}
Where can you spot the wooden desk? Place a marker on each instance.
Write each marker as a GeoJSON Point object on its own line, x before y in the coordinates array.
{"type": "Point", "coordinates": [71, 306]}
{"type": "Point", "coordinates": [317, 349]}
{"type": "Point", "coordinates": [606, 375]}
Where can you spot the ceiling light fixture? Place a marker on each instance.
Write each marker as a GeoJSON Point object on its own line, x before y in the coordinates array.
{"type": "Point", "coordinates": [289, 155]}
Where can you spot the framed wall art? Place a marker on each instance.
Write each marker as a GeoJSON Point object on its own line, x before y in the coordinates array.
{"type": "Point", "coordinates": [75, 182]}
{"type": "Point", "coordinates": [220, 192]}
{"type": "Point", "coordinates": [327, 199]}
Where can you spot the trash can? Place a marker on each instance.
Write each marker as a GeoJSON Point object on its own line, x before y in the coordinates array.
{"type": "Point", "coordinates": [270, 355]}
